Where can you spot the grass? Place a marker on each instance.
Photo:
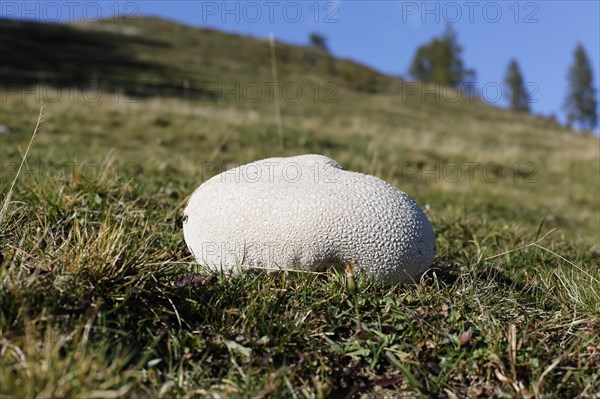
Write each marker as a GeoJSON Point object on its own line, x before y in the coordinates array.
{"type": "Point", "coordinates": [99, 297]}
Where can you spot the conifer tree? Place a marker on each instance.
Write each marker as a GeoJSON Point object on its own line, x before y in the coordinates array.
{"type": "Point", "coordinates": [319, 42]}
{"type": "Point", "coordinates": [581, 104]}
{"type": "Point", "coordinates": [517, 93]}
{"type": "Point", "coordinates": [440, 61]}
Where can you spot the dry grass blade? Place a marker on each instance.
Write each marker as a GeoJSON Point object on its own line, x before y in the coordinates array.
{"type": "Point", "coordinates": [519, 248]}
{"type": "Point", "coordinates": [512, 340]}
{"type": "Point", "coordinates": [276, 80]}
{"type": "Point", "coordinates": [537, 386]}
{"type": "Point", "coordinates": [536, 244]}
{"type": "Point", "coordinates": [12, 186]}
{"type": "Point", "coordinates": [568, 261]}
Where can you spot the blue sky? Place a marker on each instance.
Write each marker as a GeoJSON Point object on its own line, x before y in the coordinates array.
{"type": "Point", "coordinates": [541, 35]}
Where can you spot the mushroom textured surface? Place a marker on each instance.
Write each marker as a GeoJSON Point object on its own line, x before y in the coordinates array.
{"type": "Point", "coordinates": [307, 212]}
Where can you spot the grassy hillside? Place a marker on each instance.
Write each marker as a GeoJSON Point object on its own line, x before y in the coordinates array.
{"type": "Point", "coordinates": [98, 294]}
{"type": "Point", "coordinates": [154, 57]}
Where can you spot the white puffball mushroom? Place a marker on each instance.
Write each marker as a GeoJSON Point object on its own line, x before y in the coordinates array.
{"type": "Point", "coordinates": [307, 212]}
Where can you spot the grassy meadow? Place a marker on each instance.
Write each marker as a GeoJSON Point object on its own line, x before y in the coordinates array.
{"type": "Point", "coordinates": [99, 297]}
